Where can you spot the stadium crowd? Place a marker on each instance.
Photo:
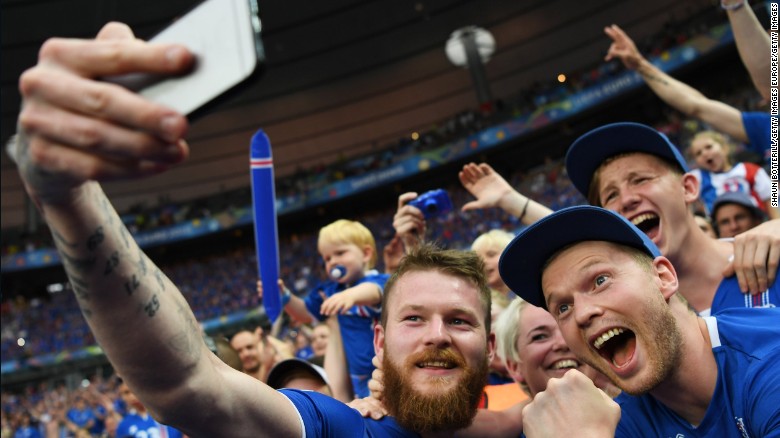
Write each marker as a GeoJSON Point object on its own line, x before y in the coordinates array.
{"type": "Point", "coordinates": [221, 284]}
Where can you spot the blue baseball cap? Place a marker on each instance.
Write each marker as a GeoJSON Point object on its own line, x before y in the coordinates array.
{"type": "Point", "coordinates": [522, 261]}
{"type": "Point", "coordinates": [738, 198]}
{"type": "Point", "coordinates": [589, 151]}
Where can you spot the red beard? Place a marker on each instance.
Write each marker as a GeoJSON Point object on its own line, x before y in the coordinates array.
{"type": "Point", "coordinates": [421, 413]}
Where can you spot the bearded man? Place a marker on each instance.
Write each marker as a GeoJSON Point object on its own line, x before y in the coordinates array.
{"type": "Point", "coordinates": [435, 327]}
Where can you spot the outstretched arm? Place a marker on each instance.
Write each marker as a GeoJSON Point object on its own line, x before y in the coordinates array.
{"type": "Point", "coordinates": [752, 44]}
{"type": "Point", "coordinates": [678, 95]}
{"type": "Point", "coordinates": [492, 190]}
{"type": "Point", "coordinates": [74, 132]}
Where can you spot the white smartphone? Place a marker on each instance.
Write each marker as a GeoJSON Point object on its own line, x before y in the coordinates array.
{"type": "Point", "coordinates": [224, 35]}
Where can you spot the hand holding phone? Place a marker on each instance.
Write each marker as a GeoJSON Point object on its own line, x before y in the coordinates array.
{"type": "Point", "coordinates": [224, 36]}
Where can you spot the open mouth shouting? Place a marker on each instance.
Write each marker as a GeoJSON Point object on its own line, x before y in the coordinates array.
{"type": "Point", "coordinates": [649, 223]}
{"type": "Point", "coordinates": [617, 345]}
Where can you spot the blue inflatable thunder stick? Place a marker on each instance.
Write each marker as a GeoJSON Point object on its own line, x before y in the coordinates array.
{"type": "Point", "coordinates": [266, 234]}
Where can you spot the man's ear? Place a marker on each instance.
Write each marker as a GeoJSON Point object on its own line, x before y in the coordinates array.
{"type": "Point", "coordinates": [666, 277]}
{"type": "Point", "coordinates": [690, 188]}
{"type": "Point", "coordinates": [379, 342]}
{"type": "Point", "coordinates": [491, 346]}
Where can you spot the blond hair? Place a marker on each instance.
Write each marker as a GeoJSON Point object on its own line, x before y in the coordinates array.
{"type": "Point", "coordinates": [717, 137]}
{"type": "Point", "coordinates": [350, 232]}
{"type": "Point", "coordinates": [494, 238]}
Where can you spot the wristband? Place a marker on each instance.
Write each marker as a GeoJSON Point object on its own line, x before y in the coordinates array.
{"type": "Point", "coordinates": [525, 208]}
{"type": "Point", "coordinates": [286, 296]}
{"type": "Point", "coordinates": [731, 7]}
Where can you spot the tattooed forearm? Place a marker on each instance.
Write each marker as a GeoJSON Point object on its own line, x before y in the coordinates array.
{"type": "Point", "coordinates": [159, 276]}
{"type": "Point", "coordinates": [59, 238]}
{"type": "Point", "coordinates": [152, 306]}
{"type": "Point", "coordinates": [80, 288]}
{"type": "Point", "coordinates": [186, 341]}
{"type": "Point", "coordinates": [142, 264]}
{"type": "Point", "coordinates": [125, 235]}
{"type": "Point", "coordinates": [132, 284]}
{"type": "Point", "coordinates": [111, 263]}
{"type": "Point", "coordinates": [107, 209]}
{"type": "Point", "coordinates": [80, 265]}
{"type": "Point", "coordinates": [95, 239]}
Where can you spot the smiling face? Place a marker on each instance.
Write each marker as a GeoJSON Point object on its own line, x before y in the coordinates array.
{"type": "Point", "coordinates": [646, 191]}
{"type": "Point", "coordinates": [435, 348]}
{"type": "Point", "coordinates": [542, 351]}
{"type": "Point", "coordinates": [610, 304]}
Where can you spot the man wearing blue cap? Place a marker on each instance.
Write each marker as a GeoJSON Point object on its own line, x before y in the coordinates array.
{"type": "Point", "coordinates": [636, 171]}
{"type": "Point", "coordinates": [616, 301]}
{"type": "Point", "coordinates": [435, 327]}
{"type": "Point", "coordinates": [734, 213]}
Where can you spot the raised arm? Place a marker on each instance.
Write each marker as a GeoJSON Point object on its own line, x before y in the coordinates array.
{"type": "Point", "coordinates": [335, 364]}
{"type": "Point", "coordinates": [409, 222]}
{"type": "Point", "coordinates": [492, 190]}
{"type": "Point", "coordinates": [752, 43]}
{"type": "Point", "coordinates": [678, 95]}
{"type": "Point", "coordinates": [75, 131]}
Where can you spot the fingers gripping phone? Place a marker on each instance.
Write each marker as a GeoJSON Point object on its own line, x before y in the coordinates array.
{"type": "Point", "coordinates": [224, 35]}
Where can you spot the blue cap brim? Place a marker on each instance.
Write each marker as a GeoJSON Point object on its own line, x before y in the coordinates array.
{"type": "Point", "coordinates": [521, 263]}
{"type": "Point", "coordinates": [588, 152]}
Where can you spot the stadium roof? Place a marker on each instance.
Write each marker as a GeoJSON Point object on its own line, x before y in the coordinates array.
{"type": "Point", "coordinates": [343, 76]}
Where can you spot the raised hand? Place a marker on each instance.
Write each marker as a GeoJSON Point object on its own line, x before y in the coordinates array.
{"type": "Point", "coordinates": [74, 128]}
{"type": "Point", "coordinates": [622, 48]}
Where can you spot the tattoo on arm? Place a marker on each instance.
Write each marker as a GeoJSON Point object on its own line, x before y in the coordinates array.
{"type": "Point", "coordinates": [61, 239]}
{"type": "Point", "coordinates": [95, 239]}
{"type": "Point", "coordinates": [80, 265]}
{"type": "Point", "coordinates": [125, 235]}
{"type": "Point", "coordinates": [152, 306]}
{"type": "Point", "coordinates": [186, 341]}
{"type": "Point", "coordinates": [132, 284]}
{"type": "Point", "coordinates": [111, 263]}
{"type": "Point", "coordinates": [106, 207]}
{"type": "Point", "coordinates": [80, 288]}
{"type": "Point", "coordinates": [142, 264]}
{"type": "Point", "coordinates": [159, 276]}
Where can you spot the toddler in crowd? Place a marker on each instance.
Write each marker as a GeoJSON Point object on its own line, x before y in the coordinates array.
{"type": "Point", "coordinates": [353, 292]}
{"type": "Point", "coordinates": [717, 175]}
